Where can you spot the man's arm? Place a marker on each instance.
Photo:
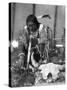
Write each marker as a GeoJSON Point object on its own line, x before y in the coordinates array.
{"type": "Point", "coordinates": [45, 34]}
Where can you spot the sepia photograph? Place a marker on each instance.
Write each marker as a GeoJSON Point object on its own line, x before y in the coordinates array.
{"type": "Point", "coordinates": [36, 44]}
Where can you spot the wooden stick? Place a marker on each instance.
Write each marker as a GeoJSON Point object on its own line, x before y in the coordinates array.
{"type": "Point", "coordinates": [28, 56]}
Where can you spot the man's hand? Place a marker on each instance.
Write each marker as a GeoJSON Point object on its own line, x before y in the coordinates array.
{"type": "Point", "coordinates": [34, 41]}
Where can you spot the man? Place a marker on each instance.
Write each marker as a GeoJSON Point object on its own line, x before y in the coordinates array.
{"type": "Point", "coordinates": [36, 33]}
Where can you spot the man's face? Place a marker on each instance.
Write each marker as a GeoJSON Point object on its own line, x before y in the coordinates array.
{"type": "Point", "coordinates": [31, 27]}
